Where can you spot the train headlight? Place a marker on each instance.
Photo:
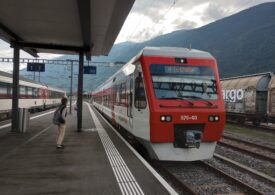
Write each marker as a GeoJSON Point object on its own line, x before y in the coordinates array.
{"type": "Point", "coordinates": [165, 118]}
{"type": "Point", "coordinates": [213, 118]}
{"type": "Point", "coordinates": [168, 118]}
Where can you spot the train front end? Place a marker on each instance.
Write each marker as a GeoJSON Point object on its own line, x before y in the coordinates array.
{"type": "Point", "coordinates": [187, 115]}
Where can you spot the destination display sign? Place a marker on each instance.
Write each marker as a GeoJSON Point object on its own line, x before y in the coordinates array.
{"type": "Point", "coordinates": [163, 69]}
{"type": "Point", "coordinates": [36, 67]}
{"type": "Point", "coordinates": [89, 69]}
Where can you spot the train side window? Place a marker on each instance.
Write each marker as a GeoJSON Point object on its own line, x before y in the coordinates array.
{"type": "Point", "coordinates": [3, 90]}
{"type": "Point", "coordinates": [9, 90]}
{"type": "Point", "coordinates": [140, 97]}
{"type": "Point", "coordinates": [22, 91]}
{"type": "Point", "coordinates": [29, 92]}
{"type": "Point", "coordinates": [35, 92]}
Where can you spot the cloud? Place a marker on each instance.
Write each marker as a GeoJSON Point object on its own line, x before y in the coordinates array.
{"type": "Point", "coordinates": [214, 12]}
{"type": "Point", "coordinates": [187, 24]}
{"type": "Point", "coordinates": [149, 18]}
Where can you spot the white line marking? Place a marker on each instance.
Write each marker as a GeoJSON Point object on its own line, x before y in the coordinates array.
{"type": "Point", "coordinates": [34, 117]}
{"type": "Point", "coordinates": [146, 164]}
{"type": "Point", "coordinates": [38, 116]}
{"type": "Point", "coordinates": [4, 126]}
{"type": "Point", "coordinates": [111, 151]}
{"type": "Point", "coordinates": [25, 143]}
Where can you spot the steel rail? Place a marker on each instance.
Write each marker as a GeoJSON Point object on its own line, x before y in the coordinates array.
{"type": "Point", "coordinates": [238, 182]}
{"type": "Point", "coordinates": [175, 180]}
{"type": "Point", "coordinates": [191, 190]}
{"type": "Point", "coordinates": [260, 156]}
{"type": "Point", "coordinates": [244, 168]}
{"type": "Point", "coordinates": [250, 143]}
{"type": "Point", "coordinates": [260, 128]}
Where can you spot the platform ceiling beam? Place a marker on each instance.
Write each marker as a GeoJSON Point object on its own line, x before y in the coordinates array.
{"type": "Point", "coordinates": [85, 24]}
{"type": "Point", "coordinates": [81, 27]}
{"type": "Point", "coordinates": [15, 37]}
{"type": "Point", "coordinates": [51, 46]}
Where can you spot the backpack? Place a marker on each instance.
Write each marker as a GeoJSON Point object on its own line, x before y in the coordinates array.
{"type": "Point", "coordinates": [57, 116]}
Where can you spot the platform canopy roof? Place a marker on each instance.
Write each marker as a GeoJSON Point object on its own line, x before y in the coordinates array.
{"type": "Point", "coordinates": [63, 26]}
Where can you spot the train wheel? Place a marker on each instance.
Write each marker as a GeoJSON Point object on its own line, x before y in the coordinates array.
{"type": "Point", "coordinates": [241, 120]}
{"type": "Point", "coordinates": [256, 123]}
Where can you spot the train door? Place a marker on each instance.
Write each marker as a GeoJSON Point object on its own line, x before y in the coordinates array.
{"type": "Point", "coordinates": [140, 108]}
{"type": "Point", "coordinates": [130, 89]}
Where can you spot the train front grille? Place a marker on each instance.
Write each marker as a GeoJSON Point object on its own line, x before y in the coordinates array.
{"type": "Point", "coordinates": [188, 135]}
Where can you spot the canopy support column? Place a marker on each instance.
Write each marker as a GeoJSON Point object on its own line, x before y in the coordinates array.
{"type": "Point", "coordinates": [15, 89]}
{"type": "Point", "coordinates": [80, 91]}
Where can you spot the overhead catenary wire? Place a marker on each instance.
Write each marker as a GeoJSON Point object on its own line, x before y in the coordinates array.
{"type": "Point", "coordinates": [165, 13]}
{"type": "Point", "coordinates": [140, 20]}
{"type": "Point", "coordinates": [160, 18]}
{"type": "Point", "coordinates": [58, 62]}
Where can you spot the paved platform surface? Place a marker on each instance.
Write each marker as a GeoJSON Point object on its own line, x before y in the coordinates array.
{"type": "Point", "coordinates": [30, 163]}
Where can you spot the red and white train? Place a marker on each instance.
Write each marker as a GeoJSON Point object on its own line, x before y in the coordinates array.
{"type": "Point", "coordinates": [32, 95]}
{"type": "Point", "coordinates": [170, 100]}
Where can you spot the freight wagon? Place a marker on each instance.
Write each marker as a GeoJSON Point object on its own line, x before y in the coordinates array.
{"type": "Point", "coordinates": [250, 98]}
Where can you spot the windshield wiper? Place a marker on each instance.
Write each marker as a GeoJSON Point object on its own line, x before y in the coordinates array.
{"type": "Point", "coordinates": [199, 98]}
{"type": "Point", "coordinates": [177, 98]}
{"type": "Point", "coordinates": [207, 102]}
{"type": "Point", "coordinates": [189, 96]}
{"type": "Point", "coordinates": [169, 98]}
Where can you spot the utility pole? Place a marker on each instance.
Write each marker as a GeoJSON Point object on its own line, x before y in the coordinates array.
{"type": "Point", "coordinates": [71, 87]}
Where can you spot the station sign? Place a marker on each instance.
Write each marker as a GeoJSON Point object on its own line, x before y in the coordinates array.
{"type": "Point", "coordinates": [89, 69]}
{"type": "Point", "coordinates": [36, 67]}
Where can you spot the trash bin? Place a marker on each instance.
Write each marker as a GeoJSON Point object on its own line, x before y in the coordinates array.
{"type": "Point", "coordinates": [23, 120]}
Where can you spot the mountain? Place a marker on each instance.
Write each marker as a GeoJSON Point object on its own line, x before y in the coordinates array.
{"type": "Point", "coordinates": [243, 43]}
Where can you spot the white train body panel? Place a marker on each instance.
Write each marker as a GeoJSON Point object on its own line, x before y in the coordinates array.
{"type": "Point", "coordinates": [115, 99]}
{"type": "Point", "coordinates": [27, 99]}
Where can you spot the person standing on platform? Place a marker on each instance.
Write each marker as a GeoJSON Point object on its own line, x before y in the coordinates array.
{"type": "Point", "coordinates": [61, 112]}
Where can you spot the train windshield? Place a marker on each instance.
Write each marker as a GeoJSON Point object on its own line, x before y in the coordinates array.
{"type": "Point", "coordinates": [183, 82]}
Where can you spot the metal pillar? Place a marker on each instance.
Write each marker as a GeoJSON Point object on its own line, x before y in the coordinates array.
{"type": "Point", "coordinates": [80, 91]}
{"type": "Point", "coordinates": [15, 89]}
{"type": "Point", "coordinates": [71, 87]}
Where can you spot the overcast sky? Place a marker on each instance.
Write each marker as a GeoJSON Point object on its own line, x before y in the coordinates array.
{"type": "Point", "coordinates": [150, 18]}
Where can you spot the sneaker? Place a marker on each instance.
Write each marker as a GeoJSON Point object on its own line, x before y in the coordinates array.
{"type": "Point", "coordinates": [59, 147]}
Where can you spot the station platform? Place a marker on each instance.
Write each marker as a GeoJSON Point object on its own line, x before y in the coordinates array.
{"type": "Point", "coordinates": [94, 161]}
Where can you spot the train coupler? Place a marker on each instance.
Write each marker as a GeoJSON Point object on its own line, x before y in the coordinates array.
{"type": "Point", "coordinates": [187, 139]}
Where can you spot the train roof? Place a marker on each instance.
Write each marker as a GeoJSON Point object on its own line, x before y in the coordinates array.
{"type": "Point", "coordinates": [250, 75]}
{"type": "Point", "coordinates": [257, 81]}
{"type": "Point", "coordinates": [178, 52]}
{"type": "Point", "coordinates": [9, 75]}
{"type": "Point", "coordinates": [174, 52]}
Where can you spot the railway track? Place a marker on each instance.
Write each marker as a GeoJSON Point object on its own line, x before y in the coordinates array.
{"type": "Point", "coordinates": [256, 150]}
{"type": "Point", "coordinates": [202, 178]}
{"type": "Point", "coordinates": [251, 126]}
{"type": "Point", "coordinates": [250, 143]}
{"type": "Point", "coordinates": [249, 159]}
{"type": "Point", "coordinates": [245, 169]}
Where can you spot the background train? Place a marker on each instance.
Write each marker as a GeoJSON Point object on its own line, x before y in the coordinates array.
{"type": "Point", "coordinates": [32, 95]}
{"type": "Point", "coordinates": [250, 98]}
{"type": "Point", "coordinates": [169, 99]}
